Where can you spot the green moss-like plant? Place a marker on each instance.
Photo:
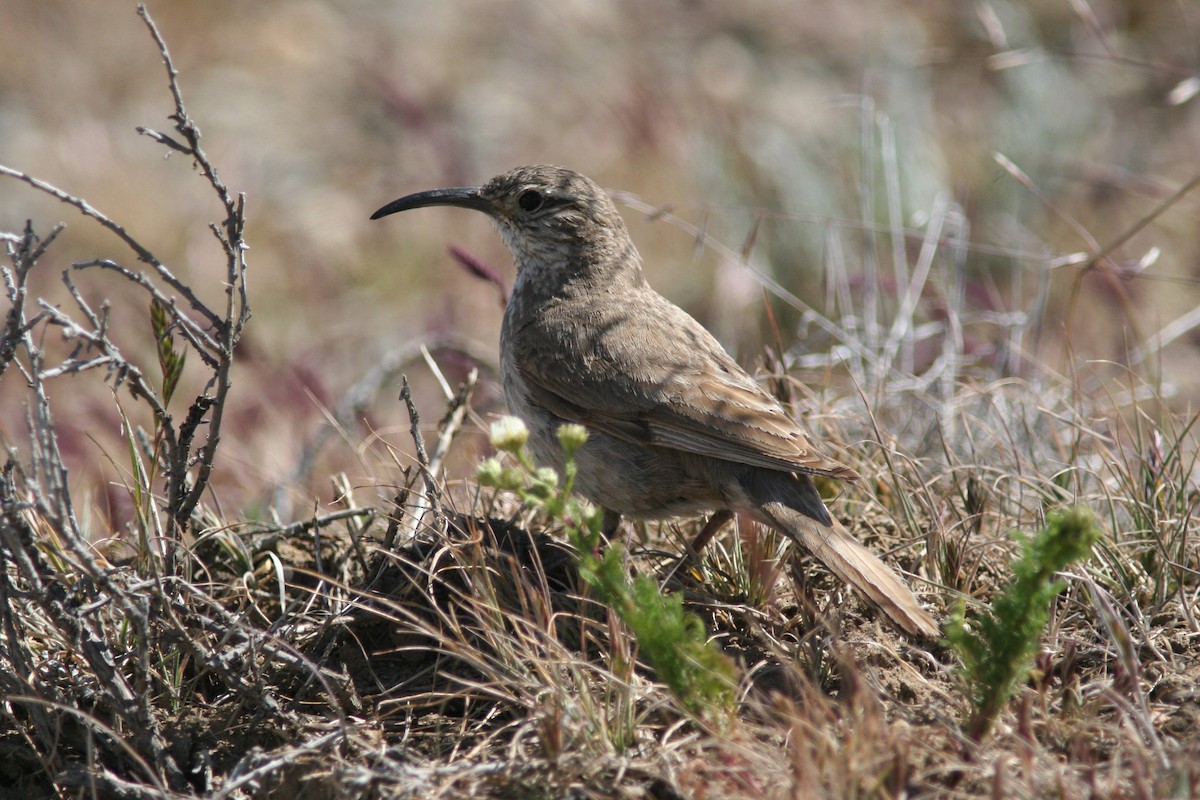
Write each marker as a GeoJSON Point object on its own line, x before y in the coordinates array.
{"type": "Point", "coordinates": [998, 647]}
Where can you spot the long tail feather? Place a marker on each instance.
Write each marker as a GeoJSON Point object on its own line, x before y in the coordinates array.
{"type": "Point", "coordinates": [856, 565]}
{"type": "Point", "coordinates": [791, 503]}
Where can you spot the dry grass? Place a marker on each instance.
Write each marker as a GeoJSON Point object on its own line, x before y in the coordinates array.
{"type": "Point", "coordinates": [167, 632]}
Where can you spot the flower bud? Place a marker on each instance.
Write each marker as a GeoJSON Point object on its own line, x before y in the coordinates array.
{"type": "Point", "coordinates": [489, 472]}
{"type": "Point", "coordinates": [509, 434]}
{"type": "Point", "coordinates": [571, 436]}
{"type": "Point", "coordinates": [512, 478]}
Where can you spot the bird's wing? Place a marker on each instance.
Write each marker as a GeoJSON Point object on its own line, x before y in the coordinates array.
{"type": "Point", "coordinates": [649, 373]}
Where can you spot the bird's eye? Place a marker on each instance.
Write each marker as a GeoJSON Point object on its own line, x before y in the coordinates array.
{"type": "Point", "coordinates": [530, 200]}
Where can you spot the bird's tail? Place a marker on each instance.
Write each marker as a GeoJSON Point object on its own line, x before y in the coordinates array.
{"type": "Point", "coordinates": [828, 540]}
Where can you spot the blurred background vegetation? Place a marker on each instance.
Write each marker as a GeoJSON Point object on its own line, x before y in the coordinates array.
{"type": "Point", "coordinates": [801, 135]}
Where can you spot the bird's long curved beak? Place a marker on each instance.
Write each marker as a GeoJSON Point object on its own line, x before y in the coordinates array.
{"type": "Point", "coordinates": [465, 197]}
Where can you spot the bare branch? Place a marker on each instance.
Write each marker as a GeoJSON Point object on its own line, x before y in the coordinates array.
{"type": "Point", "coordinates": [203, 343]}
{"type": "Point", "coordinates": [143, 253]}
{"type": "Point", "coordinates": [163, 139]}
{"type": "Point", "coordinates": [24, 251]}
{"type": "Point", "coordinates": [186, 127]}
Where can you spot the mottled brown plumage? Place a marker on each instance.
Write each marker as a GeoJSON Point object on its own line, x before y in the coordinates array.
{"type": "Point", "coordinates": [676, 427]}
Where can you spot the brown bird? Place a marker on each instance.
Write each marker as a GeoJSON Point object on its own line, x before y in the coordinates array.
{"type": "Point", "coordinates": [675, 426]}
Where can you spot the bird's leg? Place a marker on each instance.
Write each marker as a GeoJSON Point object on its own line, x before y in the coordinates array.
{"type": "Point", "coordinates": [714, 524]}
{"type": "Point", "coordinates": [612, 520]}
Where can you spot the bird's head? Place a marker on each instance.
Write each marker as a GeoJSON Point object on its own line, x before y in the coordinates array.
{"type": "Point", "coordinates": [550, 217]}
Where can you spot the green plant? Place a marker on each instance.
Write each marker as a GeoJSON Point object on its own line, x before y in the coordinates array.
{"type": "Point", "coordinates": [997, 655]}
{"type": "Point", "coordinates": [672, 641]}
